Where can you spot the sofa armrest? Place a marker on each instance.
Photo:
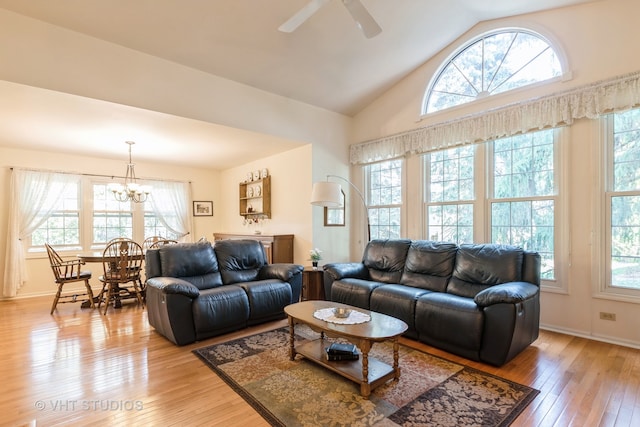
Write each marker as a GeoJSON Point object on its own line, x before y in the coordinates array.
{"type": "Point", "coordinates": [342, 270]}
{"type": "Point", "coordinates": [506, 293]}
{"type": "Point", "coordinates": [282, 272]}
{"type": "Point", "coordinates": [173, 285]}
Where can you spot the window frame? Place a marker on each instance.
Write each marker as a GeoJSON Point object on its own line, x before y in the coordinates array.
{"type": "Point", "coordinates": [370, 205]}
{"type": "Point", "coordinates": [86, 213]}
{"type": "Point", "coordinates": [561, 235]}
{"type": "Point", "coordinates": [40, 249]}
{"type": "Point", "coordinates": [555, 46]}
{"type": "Point", "coordinates": [602, 287]}
{"type": "Point", "coordinates": [475, 201]}
{"type": "Point", "coordinates": [482, 209]}
{"type": "Point", "coordinates": [132, 211]}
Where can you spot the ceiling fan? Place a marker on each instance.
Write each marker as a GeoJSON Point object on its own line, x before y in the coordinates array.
{"type": "Point", "coordinates": [363, 18]}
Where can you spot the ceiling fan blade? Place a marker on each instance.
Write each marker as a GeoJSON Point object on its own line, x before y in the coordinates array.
{"type": "Point", "coordinates": [363, 18]}
{"type": "Point", "coordinates": [302, 15]}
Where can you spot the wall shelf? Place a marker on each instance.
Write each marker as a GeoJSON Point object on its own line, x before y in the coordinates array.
{"type": "Point", "coordinates": [255, 198]}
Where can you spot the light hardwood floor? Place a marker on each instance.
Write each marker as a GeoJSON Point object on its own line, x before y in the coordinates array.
{"type": "Point", "coordinates": [78, 367]}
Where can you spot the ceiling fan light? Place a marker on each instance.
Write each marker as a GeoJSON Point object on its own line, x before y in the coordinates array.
{"type": "Point", "coordinates": [358, 12]}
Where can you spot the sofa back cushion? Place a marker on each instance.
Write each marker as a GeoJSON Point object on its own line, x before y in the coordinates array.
{"type": "Point", "coordinates": [479, 267]}
{"type": "Point", "coordinates": [385, 259]}
{"type": "Point", "coordinates": [429, 265]}
{"type": "Point", "coordinates": [240, 260]}
{"type": "Point", "coordinates": [531, 267]}
{"type": "Point", "coordinates": [193, 262]}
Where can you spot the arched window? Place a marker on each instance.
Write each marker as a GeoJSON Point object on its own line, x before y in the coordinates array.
{"type": "Point", "coordinates": [493, 63]}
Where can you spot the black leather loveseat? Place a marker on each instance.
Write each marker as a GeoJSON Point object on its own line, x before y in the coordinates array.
{"type": "Point", "coordinates": [481, 301]}
{"type": "Point", "coordinates": [195, 290]}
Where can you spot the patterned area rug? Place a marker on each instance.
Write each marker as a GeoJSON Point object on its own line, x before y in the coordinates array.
{"type": "Point", "coordinates": [431, 391]}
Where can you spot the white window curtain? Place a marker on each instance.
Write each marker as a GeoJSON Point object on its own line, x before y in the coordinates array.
{"type": "Point", "coordinates": [170, 203]}
{"type": "Point", "coordinates": [590, 101]}
{"type": "Point", "coordinates": [32, 197]}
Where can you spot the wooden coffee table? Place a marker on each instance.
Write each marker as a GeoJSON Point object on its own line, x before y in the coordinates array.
{"type": "Point", "coordinates": [366, 371]}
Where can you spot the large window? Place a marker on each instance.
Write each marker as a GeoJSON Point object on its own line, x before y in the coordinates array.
{"type": "Point", "coordinates": [111, 218]}
{"type": "Point", "coordinates": [450, 194]}
{"type": "Point", "coordinates": [384, 198]}
{"type": "Point", "coordinates": [494, 63]}
{"type": "Point", "coordinates": [519, 207]}
{"type": "Point", "coordinates": [524, 194]}
{"type": "Point", "coordinates": [75, 225]}
{"type": "Point", "coordinates": [623, 201]}
{"type": "Point", "coordinates": [62, 227]}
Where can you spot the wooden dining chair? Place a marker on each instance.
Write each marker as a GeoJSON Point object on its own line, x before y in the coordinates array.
{"type": "Point", "coordinates": [121, 279]}
{"type": "Point", "coordinates": [150, 241]}
{"type": "Point", "coordinates": [163, 242]}
{"type": "Point", "coordinates": [116, 239]}
{"type": "Point", "coordinates": [68, 272]}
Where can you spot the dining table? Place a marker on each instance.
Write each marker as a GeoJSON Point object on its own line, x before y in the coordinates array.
{"type": "Point", "coordinates": [98, 257]}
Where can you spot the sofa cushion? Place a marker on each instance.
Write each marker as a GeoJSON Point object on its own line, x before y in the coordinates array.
{"type": "Point", "coordinates": [397, 301]}
{"type": "Point", "coordinates": [356, 292]}
{"type": "Point", "coordinates": [194, 262]}
{"type": "Point", "coordinates": [479, 267]}
{"type": "Point", "coordinates": [267, 299]}
{"type": "Point", "coordinates": [385, 259]}
{"type": "Point", "coordinates": [220, 309]}
{"type": "Point", "coordinates": [450, 322]}
{"type": "Point", "coordinates": [240, 260]}
{"type": "Point", "coordinates": [429, 265]}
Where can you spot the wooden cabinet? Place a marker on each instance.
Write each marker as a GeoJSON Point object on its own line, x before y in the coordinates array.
{"type": "Point", "coordinates": [255, 198]}
{"type": "Point", "coordinates": [312, 284]}
{"type": "Point", "coordinates": [278, 247]}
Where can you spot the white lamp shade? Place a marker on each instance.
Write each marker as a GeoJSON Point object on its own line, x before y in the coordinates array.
{"type": "Point", "coordinates": [327, 194]}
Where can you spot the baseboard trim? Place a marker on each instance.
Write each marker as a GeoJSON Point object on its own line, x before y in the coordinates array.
{"type": "Point", "coordinates": [594, 337]}
{"type": "Point", "coordinates": [27, 296]}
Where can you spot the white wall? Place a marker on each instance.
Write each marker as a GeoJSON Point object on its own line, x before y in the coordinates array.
{"type": "Point", "coordinates": [598, 39]}
{"type": "Point", "coordinates": [290, 190]}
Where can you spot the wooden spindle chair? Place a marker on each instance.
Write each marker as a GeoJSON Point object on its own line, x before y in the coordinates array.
{"type": "Point", "coordinates": [122, 265]}
{"type": "Point", "coordinates": [68, 272]}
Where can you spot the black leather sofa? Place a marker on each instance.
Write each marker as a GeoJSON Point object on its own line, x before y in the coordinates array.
{"type": "Point", "coordinates": [196, 291]}
{"type": "Point", "coordinates": [478, 301]}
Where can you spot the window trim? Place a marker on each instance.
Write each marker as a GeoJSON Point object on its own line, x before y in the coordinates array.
{"type": "Point", "coordinates": [601, 240]}
{"type": "Point", "coordinates": [565, 74]}
{"type": "Point", "coordinates": [561, 216]}
{"type": "Point", "coordinates": [78, 211]}
{"type": "Point", "coordinates": [482, 204]}
{"type": "Point", "coordinates": [367, 193]}
{"type": "Point", "coordinates": [86, 211]}
{"type": "Point", "coordinates": [475, 202]}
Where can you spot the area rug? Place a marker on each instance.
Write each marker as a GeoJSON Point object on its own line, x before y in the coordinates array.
{"type": "Point", "coordinates": [431, 391]}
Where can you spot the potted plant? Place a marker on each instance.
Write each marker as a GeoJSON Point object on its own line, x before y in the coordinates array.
{"type": "Point", "coordinates": [315, 256]}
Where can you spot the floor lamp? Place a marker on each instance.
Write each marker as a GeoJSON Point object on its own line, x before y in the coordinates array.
{"type": "Point", "coordinates": [328, 194]}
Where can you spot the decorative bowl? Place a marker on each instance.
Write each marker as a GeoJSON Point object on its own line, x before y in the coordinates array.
{"type": "Point", "coordinates": [341, 312]}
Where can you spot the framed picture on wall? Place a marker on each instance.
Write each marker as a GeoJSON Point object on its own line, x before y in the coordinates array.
{"type": "Point", "coordinates": [202, 208]}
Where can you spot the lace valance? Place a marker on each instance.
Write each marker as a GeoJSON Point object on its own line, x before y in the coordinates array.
{"type": "Point", "coordinates": [589, 101]}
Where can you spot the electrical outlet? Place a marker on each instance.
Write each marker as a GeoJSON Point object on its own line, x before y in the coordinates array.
{"type": "Point", "coordinates": [607, 316]}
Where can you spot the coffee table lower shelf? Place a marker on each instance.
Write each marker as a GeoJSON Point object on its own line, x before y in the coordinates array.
{"type": "Point", "coordinates": [378, 372]}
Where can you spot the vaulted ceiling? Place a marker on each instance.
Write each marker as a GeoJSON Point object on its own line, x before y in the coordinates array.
{"type": "Point", "coordinates": [326, 62]}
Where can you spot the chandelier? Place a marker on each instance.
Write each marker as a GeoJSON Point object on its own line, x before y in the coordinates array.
{"type": "Point", "coordinates": [131, 190]}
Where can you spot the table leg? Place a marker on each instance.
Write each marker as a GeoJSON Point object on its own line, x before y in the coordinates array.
{"type": "Point", "coordinates": [292, 350]}
{"type": "Point", "coordinates": [117, 303]}
{"type": "Point", "coordinates": [365, 387]}
{"type": "Point", "coordinates": [396, 358]}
